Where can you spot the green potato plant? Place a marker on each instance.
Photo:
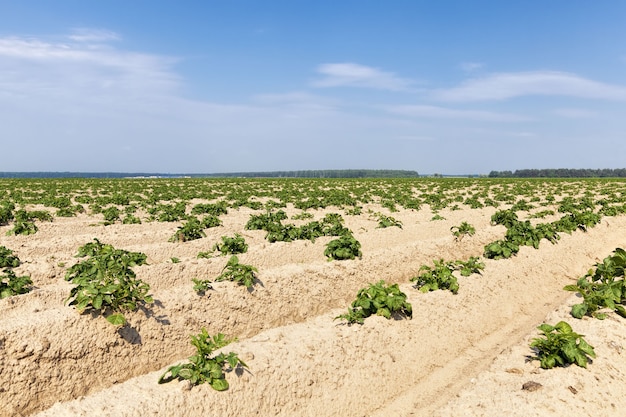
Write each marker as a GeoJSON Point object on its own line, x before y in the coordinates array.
{"type": "Point", "coordinates": [200, 286]}
{"type": "Point", "coordinates": [438, 277]}
{"type": "Point", "coordinates": [231, 245]}
{"type": "Point", "coordinates": [561, 346]}
{"type": "Point", "coordinates": [105, 282]}
{"type": "Point", "coordinates": [343, 248]}
{"type": "Point", "coordinates": [204, 366]}
{"type": "Point", "coordinates": [10, 284]}
{"type": "Point", "coordinates": [379, 299]}
{"type": "Point", "coordinates": [441, 275]}
{"type": "Point", "coordinates": [6, 212]}
{"type": "Point", "coordinates": [240, 273]}
{"type": "Point", "coordinates": [191, 230]}
{"type": "Point", "coordinates": [387, 221]}
{"type": "Point", "coordinates": [604, 287]}
{"type": "Point", "coordinates": [462, 230]}
{"type": "Point", "coordinates": [8, 259]}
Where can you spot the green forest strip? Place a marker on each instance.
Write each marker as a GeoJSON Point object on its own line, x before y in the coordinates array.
{"type": "Point", "coordinates": [327, 173]}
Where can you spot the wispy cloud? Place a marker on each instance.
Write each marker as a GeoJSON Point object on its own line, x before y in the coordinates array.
{"type": "Point", "coordinates": [572, 113]}
{"type": "Point", "coordinates": [436, 112]}
{"type": "Point", "coordinates": [33, 65]}
{"type": "Point", "coordinates": [509, 85]}
{"type": "Point", "coordinates": [415, 138]}
{"type": "Point", "coordinates": [300, 99]}
{"type": "Point", "coordinates": [93, 35]}
{"type": "Point", "coordinates": [471, 66]}
{"type": "Point", "coordinates": [355, 75]}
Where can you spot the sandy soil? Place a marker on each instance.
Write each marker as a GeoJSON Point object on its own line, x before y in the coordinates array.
{"type": "Point", "coordinates": [464, 354]}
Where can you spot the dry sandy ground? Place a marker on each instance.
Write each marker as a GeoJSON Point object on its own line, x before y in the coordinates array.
{"type": "Point", "coordinates": [463, 354]}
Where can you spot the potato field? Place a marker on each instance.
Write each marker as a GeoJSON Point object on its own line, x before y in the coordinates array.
{"type": "Point", "coordinates": [312, 297]}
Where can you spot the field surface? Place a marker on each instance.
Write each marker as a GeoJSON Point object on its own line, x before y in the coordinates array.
{"type": "Point", "coordinates": [465, 353]}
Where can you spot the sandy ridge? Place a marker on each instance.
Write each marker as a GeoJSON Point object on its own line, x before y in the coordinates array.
{"type": "Point", "coordinates": [402, 368]}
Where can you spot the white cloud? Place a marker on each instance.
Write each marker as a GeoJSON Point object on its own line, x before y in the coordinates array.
{"type": "Point", "coordinates": [436, 112]}
{"type": "Point", "coordinates": [415, 138]}
{"type": "Point", "coordinates": [93, 35]}
{"type": "Point", "coordinates": [572, 113]}
{"type": "Point", "coordinates": [35, 67]}
{"type": "Point", "coordinates": [355, 75]}
{"type": "Point", "coordinates": [509, 85]}
{"type": "Point", "coordinates": [300, 99]}
{"type": "Point", "coordinates": [471, 66]}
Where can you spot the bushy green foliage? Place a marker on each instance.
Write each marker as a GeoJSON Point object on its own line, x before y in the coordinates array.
{"type": "Point", "coordinates": [203, 367]}
{"type": "Point", "coordinates": [41, 215]}
{"type": "Point", "coordinates": [345, 247]}
{"type": "Point", "coordinates": [577, 221]}
{"type": "Point", "coordinates": [6, 212]}
{"type": "Point", "coordinates": [604, 287]}
{"type": "Point", "coordinates": [111, 215]}
{"type": "Point", "coordinates": [472, 266]}
{"type": "Point", "coordinates": [23, 228]}
{"type": "Point", "coordinates": [438, 277]}
{"type": "Point", "coordinates": [216, 209]}
{"type": "Point", "coordinates": [441, 275]}
{"type": "Point", "coordinates": [462, 230]}
{"type": "Point", "coordinates": [10, 284]}
{"type": "Point", "coordinates": [379, 299]}
{"type": "Point", "coordinates": [232, 245]}
{"type": "Point", "coordinates": [200, 286]}
{"type": "Point", "coordinates": [131, 219]}
{"type": "Point", "coordinates": [169, 212]}
{"type": "Point", "coordinates": [105, 282]}
{"type": "Point", "coordinates": [541, 214]}
{"type": "Point", "coordinates": [209, 221]}
{"type": "Point", "coordinates": [242, 274]}
{"type": "Point", "coordinates": [191, 230]}
{"type": "Point", "coordinates": [23, 224]}
{"type": "Point", "coordinates": [561, 346]}
{"type": "Point", "coordinates": [504, 217]}
{"type": "Point", "coordinates": [519, 233]}
{"type": "Point", "coordinates": [204, 255]}
{"type": "Point", "coordinates": [500, 249]}
{"type": "Point", "coordinates": [302, 216]}
{"type": "Point", "coordinates": [8, 259]}
{"type": "Point", "coordinates": [387, 221]}
{"type": "Point", "coordinates": [522, 205]}
{"type": "Point", "coordinates": [271, 222]}
{"type": "Point", "coordinates": [265, 221]}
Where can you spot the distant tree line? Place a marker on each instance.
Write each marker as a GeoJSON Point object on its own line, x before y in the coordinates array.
{"type": "Point", "coordinates": [80, 175]}
{"type": "Point", "coordinates": [327, 173]}
{"type": "Point", "coordinates": [560, 173]}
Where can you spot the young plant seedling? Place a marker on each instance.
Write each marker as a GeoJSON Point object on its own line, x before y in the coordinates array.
{"type": "Point", "coordinates": [203, 367]}
{"type": "Point", "coordinates": [387, 221]}
{"type": "Point", "coordinates": [8, 259]}
{"type": "Point", "coordinates": [464, 229]}
{"type": "Point", "coordinates": [232, 245]}
{"type": "Point", "coordinates": [380, 299]}
{"type": "Point", "coordinates": [191, 230]}
{"type": "Point", "coordinates": [603, 287]}
{"type": "Point", "coordinates": [200, 286]}
{"type": "Point", "coordinates": [105, 282]}
{"type": "Point", "coordinates": [240, 273]}
{"type": "Point", "coordinates": [439, 277]}
{"type": "Point", "coordinates": [10, 284]}
{"type": "Point", "coordinates": [560, 346]}
{"type": "Point", "coordinates": [346, 247]}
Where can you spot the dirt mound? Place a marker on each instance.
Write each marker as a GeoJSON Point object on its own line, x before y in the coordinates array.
{"type": "Point", "coordinates": [302, 362]}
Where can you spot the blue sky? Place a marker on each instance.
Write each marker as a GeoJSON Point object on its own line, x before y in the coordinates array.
{"type": "Point", "coordinates": [452, 87]}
